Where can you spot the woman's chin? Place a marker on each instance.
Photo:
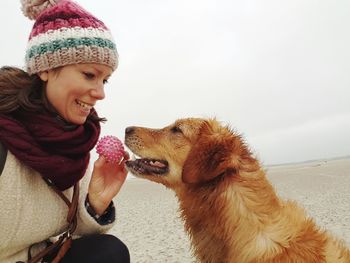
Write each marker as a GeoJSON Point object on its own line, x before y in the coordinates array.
{"type": "Point", "coordinates": [77, 119]}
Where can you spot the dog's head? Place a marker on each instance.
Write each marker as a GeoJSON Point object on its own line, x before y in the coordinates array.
{"type": "Point", "coordinates": [190, 151]}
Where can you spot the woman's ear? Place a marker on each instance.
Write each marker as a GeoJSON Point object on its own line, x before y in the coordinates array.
{"type": "Point", "coordinates": [44, 75]}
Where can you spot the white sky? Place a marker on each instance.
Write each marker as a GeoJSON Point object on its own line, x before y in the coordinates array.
{"type": "Point", "coordinates": [277, 71]}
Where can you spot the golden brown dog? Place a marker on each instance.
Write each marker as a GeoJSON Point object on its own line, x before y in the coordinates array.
{"type": "Point", "coordinates": [231, 212]}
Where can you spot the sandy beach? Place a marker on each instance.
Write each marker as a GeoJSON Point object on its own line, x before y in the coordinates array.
{"type": "Point", "coordinates": [149, 223]}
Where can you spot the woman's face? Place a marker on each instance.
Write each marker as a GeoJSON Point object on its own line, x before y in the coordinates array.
{"type": "Point", "coordinates": [74, 89]}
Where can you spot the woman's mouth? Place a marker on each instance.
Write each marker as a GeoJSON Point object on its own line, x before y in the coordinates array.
{"type": "Point", "coordinates": [84, 106]}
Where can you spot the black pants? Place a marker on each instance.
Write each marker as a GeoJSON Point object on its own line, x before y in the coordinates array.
{"type": "Point", "coordinates": [99, 248]}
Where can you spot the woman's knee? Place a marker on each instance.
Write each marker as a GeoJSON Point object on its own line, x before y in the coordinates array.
{"type": "Point", "coordinates": [115, 249]}
{"type": "Point", "coordinates": [97, 248]}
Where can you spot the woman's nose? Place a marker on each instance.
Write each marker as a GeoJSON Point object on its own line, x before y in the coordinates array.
{"type": "Point", "coordinates": [98, 93]}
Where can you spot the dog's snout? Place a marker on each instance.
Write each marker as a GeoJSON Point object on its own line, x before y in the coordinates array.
{"type": "Point", "coordinates": [129, 130]}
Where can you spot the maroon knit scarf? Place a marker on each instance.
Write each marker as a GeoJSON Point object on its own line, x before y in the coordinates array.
{"type": "Point", "coordinates": [47, 145]}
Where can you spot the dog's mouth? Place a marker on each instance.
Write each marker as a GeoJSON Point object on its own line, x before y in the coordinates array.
{"type": "Point", "coordinates": [147, 166]}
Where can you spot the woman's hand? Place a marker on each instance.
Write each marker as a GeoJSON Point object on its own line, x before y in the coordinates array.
{"type": "Point", "coordinates": [106, 180]}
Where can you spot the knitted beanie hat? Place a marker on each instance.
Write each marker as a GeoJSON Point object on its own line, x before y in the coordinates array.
{"type": "Point", "coordinates": [63, 34]}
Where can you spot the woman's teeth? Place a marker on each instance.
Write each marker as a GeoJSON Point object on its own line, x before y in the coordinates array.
{"type": "Point", "coordinates": [84, 105]}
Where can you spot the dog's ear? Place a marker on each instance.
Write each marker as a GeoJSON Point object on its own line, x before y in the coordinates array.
{"type": "Point", "coordinates": [211, 156]}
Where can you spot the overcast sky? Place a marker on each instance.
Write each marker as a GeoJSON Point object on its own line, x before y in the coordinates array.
{"type": "Point", "coordinates": [277, 71]}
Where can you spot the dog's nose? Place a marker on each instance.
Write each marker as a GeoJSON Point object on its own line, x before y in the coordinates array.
{"type": "Point", "coordinates": [129, 130]}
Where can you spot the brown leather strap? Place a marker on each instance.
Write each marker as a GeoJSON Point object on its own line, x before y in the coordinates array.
{"type": "Point", "coordinates": [63, 250]}
{"type": "Point", "coordinates": [72, 212]}
{"type": "Point", "coordinates": [73, 206]}
{"type": "Point", "coordinates": [47, 250]}
{"type": "Point", "coordinates": [65, 239]}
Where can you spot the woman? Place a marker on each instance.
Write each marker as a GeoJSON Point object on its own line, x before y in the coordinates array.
{"type": "Point", "coordinates": [48, 126]}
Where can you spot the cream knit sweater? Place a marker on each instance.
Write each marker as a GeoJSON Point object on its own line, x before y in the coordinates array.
{"type": "Point", "coordinates": [32, 212]}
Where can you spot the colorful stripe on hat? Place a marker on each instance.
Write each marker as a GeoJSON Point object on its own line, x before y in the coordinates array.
{"type": "Point", "coordinates": [67, 34]}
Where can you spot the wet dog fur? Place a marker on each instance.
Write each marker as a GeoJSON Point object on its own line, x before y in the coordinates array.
{"type": "Point", "coordinates": [230, 210]}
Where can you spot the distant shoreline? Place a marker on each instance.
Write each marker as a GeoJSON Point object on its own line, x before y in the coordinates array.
{"type": "Point", "coordinates": [309, 161]}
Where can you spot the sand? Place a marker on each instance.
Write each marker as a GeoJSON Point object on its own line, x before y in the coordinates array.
{"type": "Point", "coordinates": [149, 223]}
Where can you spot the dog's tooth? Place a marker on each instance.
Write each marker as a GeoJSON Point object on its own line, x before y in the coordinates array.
{"type": "Point", "coordinates": [133, 157]}
{"type": "Point", "coordinates": [158, 164]}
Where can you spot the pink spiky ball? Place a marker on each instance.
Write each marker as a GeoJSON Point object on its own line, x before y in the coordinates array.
{"type": "Point", "coordinates": [111, 148]}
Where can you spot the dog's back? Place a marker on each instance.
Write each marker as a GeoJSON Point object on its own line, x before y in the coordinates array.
{"type": "Point", "coordinates": [248, 223]}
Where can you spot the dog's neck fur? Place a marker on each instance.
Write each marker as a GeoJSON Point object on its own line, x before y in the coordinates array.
{"type": "Point", "coordinates": [242, 204]}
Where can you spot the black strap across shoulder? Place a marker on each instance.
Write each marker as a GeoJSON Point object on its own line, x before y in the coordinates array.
{"type": "Point", "coordinates": [3, 154]}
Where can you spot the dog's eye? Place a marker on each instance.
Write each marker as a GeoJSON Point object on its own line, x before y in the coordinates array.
{"type": "Point", "coordinates": [176, 129]}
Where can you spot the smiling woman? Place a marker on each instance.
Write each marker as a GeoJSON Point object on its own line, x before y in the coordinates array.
{"type": "Point", "coordinates": [48, 126]}
{"type": "Point", "coordinates": [84, 86]}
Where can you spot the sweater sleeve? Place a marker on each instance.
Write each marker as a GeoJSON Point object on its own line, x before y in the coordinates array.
{"type": "Point", "coordinates": [87, 224]}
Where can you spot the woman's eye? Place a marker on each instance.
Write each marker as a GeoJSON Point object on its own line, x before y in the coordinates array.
{"type": "Point", "coordinates": [176, 129]}
{"type": "Point", "coordinates": [89, 75]}
{"type": "Point", "coordinates": [105, 81]}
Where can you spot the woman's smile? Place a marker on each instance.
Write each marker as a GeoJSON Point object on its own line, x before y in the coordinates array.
{"type": "Point", "coordinates": [84, 107]}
